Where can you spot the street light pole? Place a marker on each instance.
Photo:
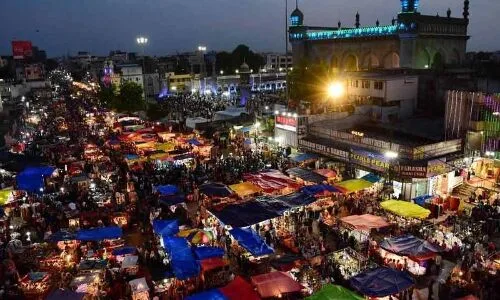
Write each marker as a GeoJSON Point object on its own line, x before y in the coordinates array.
{"type": "Point", "coordinates": [142, 41]}
{"type": "Point", "coordinates": [286, 51]}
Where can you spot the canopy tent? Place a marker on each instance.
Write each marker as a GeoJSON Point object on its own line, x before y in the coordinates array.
{"type": "Point", "coordinates": [125, 250]}
{"type": "Point", "coordinates": [214, 294]}
{"type": "Point", "coordinates": [251, 241]}
{"type": "Point", "coordinates": [208, 252]}
{"type": "Point", "coordinates": [420, 200]}
{"type": "Point", "coordinates": [218, 190]}
{"type": "Point", "coordinates": [275, 284]}
{"type": "Point", "coordinates": [61, 235]}
{"type": "Point", "coordinates": [271, 181]}
{"type": "Point", "coordinates": [195, 142]}
{"type": "Point", "coordinates": [239, 289]}
{"type": "Point", "coordinates": [334, 292]}
{"type": "Point", "coordinates": [327, 173]}
{"type": "Point", "coordinates": [353, 185]}
{"type": "Point", "coordinates": [183, 262]}
{"type": "Point", "coordinates": [244, 214]}
{"type": "Point", "coordinates": [166, 190]}
{"type": "Point", "coordinates": [405, 209]}
{"type": "Point", "coordinates": [297, 199]}
{"type": "Point", "coordinates": [306, 175]}
{"type": "Point", "coordinates": [166, 227]}
{"type": "Point", "coordinates": [213, 263]}
{"type": "Point", "coordinates": [319, 190]}
{"type": "Point", "coordinates": [5, 196]}
{"type": "Point", "coordinates": [302, 157]}
{"type": "Point", "coordinates": [273, 205]}
{"type": "Point", "coordinates": [170, 200]}
{"type": "Point", "coordinates": [381, 282]}
{"type": "Point", "coordinates": [411, 246]}
{"type": "Point", "coordinates": [365, 222]}
{"type": "Point", "coordinates": [65, 294]}
{"type": "Point", "coordinates": [286, 262]}
{"type": "Point", "coordinates": [245, 189]}
{"type": "Point", "coordinates": [371, 178]}
{"type": "Point", "coordinates": [138, 285]}
{"type": "Point", "coordinates": [99, 234]}
{"type": "Point", "coordinates": [31, 179]}
{"type": "Point", "coordinates": [129, 261]}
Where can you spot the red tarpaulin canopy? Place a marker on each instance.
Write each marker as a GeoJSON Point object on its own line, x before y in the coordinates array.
{"type": "Point", "coordinates": [365, 222]}
{"type": "Point", "coordinates": [213, 263]}
{"type": "Point", "coordinates": [275, 284]}
{"type": "Point", "coordinates": [239, 289]}
{"type": "Point", "coordinates": [271, 181]}
{"type": "Point", "coordinates": [326, 173]}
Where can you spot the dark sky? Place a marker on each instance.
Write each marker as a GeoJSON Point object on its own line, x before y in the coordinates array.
{"type": "Point", "coordinates": [178, 25]}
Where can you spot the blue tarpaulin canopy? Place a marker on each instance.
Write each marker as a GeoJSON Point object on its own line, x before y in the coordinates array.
{"type": "Point", "coordinates": [245, 214]}
{"type": "Point", "coordinates": [99, 234]}
{"type": "Point", "coordinates": [371, 178]}
{"type": "Point", "coordinates": [194, 142]}
{"type": "Point", "coordinates": [172, 199]}
{"type": "Point", "coordinates": [297, 199]}
{"type": "Point", "coordinates": [408, 245]}
{"type": "Point", "coordinates": [124, 250]}
{"type": "Point", "coordinates": [166, 227]}
{"type": "Point", "coordinates": [301, 157]}
{"type": "Point", "coordinates": [167, 190]}
{"type": "Point", "coordinates": [251, 241]}
{"type": "Point", "coordinates": [215, 190]}
{"type": "Point", "coordinates": [317, 189]}
{"type": "Point", "coordinates": [214, 294]}
{"type": "Point", "coordinates": [66, 294]}
{"type": "Point", "coordinates": [131, 156]}
{"type": "Point", "coordinates": [306, 175]}
{"type": "Point", "coordinates": [62, 236]}
{"type": "Point", "coordinates": [381, 282]}
{"type": "Point", "coordinates": [420, 200]}
{"type": "Point", "coordinates": [31, 178]}
{"type": "Point", "coordinates": [183, 263]}
{"type": "Point", "coordinates": [208, 252]}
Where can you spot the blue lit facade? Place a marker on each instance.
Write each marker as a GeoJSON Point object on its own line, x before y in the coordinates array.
{"type": "Point", "coordinates": [409, 6]}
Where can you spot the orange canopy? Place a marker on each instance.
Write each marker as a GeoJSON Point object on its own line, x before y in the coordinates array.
{"type": "Point", "coordinates": [365, 222]}
{"type": "Point", "coordinates": [275, 284]}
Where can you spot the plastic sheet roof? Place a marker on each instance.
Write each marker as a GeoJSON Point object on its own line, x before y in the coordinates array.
{"type": "Point", "coordinates": [405, 209]}
{"type": "Point", "coordinates": [205, 252]}
{"type": "Point", "coordinates": [320, 190]}
{"type": "Point", "coordinates": [99, 234]}
{"type": "Point", "coordinates": [306, 175]}
{"type": "Point", "coordinates": [215, 190]}
{"type": "Point", "coordinates": [183, 262]}
{"type": "Point", "coordinates": [271, 181]}
{"type": "Point", "coordinates": [381, 282]}
{"type": "Point", "coordinates": [245, 214]}
{"type": "Point", "coordinates": [353, 185]}
{"type": "Point", "coordinates": [31, 179]}
{"type": "Point", "coordinates": [334, 292]}
{"type": "Point", "coordinates": [239, 289]}
{"type": "Point", "coordinates": [167, 190]}
{"type": "Point", "coordinates": [166, 227]}
{"type": "Point", "coordinates": [245, 189]}
{"type": "Point", "coordinates": [365, 222]}
{"type": "Point", "coordinates": [214, 294]}
{"type": "Point", "coordinates": [251, 241]}
{"type": "Point", "coordinates": [275, 284]}
{"type": "Point", "coordinates": [301, 157]}
{"type": "Point", "coordinates": [326, 173]}
{"type": "Point", "coordinates": [297, 199]}
{"type": "Point", "coordinates": [411, 246]}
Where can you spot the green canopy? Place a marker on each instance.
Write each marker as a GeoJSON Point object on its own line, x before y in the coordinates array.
{"type": "Point", "coordinates": [334, 292]}
{"type": "Point", "coordinates": [4, 195]}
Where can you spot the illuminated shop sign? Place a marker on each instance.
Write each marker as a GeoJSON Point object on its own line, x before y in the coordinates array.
{"type": "Point", "coordinates": [287, 123]}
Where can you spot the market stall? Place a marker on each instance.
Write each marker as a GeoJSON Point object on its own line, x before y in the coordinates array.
{"type": "Point", "coordinates": [36, 285]}
{"type": "Point", "coordinates": [33, 179]}
{"type": "Point", "coordinates": [251, 241]}
{"type": "Point", "coordinates": [362, 226]}
{"type": "Point", "coordinates": [275, 284]}
{"type": "Point", "coordinates": [353, 185]}
{"type": "Point", "coordinates": [381, 282]}
{"type": "Point", "coordinates": [334, 292]}
{"type": "Point", "coordinates": [245, 189]}
{"type": "Point", "coordinates": [348, 262]}
{"type": "Point", "coordinates": [306, 176]}
{"type": "Point", "coordinates": [408, 252]}
{"type": "Point", "coordinates": [405, 209]}
{"type": "Point", "coordinates": [139, 289]}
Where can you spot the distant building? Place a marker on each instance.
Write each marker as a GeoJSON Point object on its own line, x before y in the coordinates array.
{"type": "Point", "coordinates": [152, 86]}
{"type": "Point", "coordinates": [180, 83]}
{"type": "Point", "coordinates": [277, 62]}
{"type": "Point", "coordinates": [34, 72]}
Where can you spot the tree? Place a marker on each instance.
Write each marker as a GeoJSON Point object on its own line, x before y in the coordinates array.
{"type": "Point", "coordinates": [107, 96]}
{"type": "Point", "coordinates": [129, 99]}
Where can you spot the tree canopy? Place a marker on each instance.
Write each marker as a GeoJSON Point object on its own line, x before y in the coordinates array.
{"type": "Point", "coordinates": [229, 62]}
{"type": "Point", "coordinates": [128, 99]}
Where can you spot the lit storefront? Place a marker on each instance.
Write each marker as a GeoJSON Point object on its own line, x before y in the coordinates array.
{"type": "Point", "coordinates": [288, 128]}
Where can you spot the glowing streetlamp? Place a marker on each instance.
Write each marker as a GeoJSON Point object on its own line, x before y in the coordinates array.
{"type": "Point", "coordinates": [335, 90]}
{"type": "Point", "coordinates": [222, 72]}
{"type": "Point", "coordinates": [237, 71]}
{"type": "Point", "coordinates": [391, 154]}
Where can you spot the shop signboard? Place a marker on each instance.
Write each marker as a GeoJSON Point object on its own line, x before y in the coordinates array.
{"type": "Point", "coordinates": [412, 171]}
{"type": "Point", "coordinates": [22, 49]}
{"type": "Point", "coordinates": [437, 149]}
{"type": "Point", "coordinates": [370, 160]}
{"type": "Point", "coordinates": [287, 123]}
{"type": "Point", "coordinates": [325, 150]}
{"type": "Point", "coordinates": [438, 167]}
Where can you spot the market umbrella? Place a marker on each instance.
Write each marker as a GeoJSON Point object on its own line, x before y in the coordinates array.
{"type": "Point", "coordinates": [334, 292]}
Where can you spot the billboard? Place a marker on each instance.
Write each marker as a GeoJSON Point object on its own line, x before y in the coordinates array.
{"type": "Point", "coordinates": [21, 49]}
{"type": "Point", "coordinates": [287, 123]}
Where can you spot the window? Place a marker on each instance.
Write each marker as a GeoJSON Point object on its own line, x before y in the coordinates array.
{"type": "Point", "coordinates": [356, 84]}
{"type": "Point", "coordinates": [378, 85]}
{"type": "Point", "coordinates": [365, 84]}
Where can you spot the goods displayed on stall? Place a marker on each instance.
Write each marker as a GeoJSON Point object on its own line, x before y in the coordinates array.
{"type": "Point", "coordinates": [330, 175]}
{"type": "Point", "coordinates": [272, 182]}
{"type": "Point", "coordinates": [408, 252]}
{"type": "Point", "coordinates": [306, 176]}
{"type": "Point", "coordinates": [361, 226]}
{"type": "Point", "coordinates": [139, 289]}
{"type": "Point", "coordinates": [251, 241]}
{"type": "Point", "coordinates": [405, 209]}
{"type": "Point", "coordinates": [36, 284]}
{"type": "Point", "coordinates": [348, 262]}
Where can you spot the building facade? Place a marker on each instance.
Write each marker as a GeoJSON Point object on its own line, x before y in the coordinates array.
{"type": "Point", "coordinates": [412, 41]}
{"type": "Point", "coordinates": [278, 62]}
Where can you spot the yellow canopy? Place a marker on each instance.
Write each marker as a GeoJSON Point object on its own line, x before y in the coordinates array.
{"type": "Point", "coordinates": [245, 189]}
{"type": "Point", "coordinates": [4, 195]}
{"type": "Point", "coordinates": [166, 147]}
{"type": "Point", "coordinates": [354, 185]}
{"type": "Point", "coordinates": [405, 209]}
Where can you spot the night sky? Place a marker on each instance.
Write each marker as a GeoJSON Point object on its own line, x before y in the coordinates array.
{"type": "Point", "coordinates": [62, 26]}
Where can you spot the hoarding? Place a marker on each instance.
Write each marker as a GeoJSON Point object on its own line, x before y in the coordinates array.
{"type": "Point", "coordinates": [287, 123]}
{"type": "Point", "coordinates": [22, 49]}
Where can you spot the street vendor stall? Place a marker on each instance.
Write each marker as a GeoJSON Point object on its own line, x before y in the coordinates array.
{"type": "Point", "coordinates": [272, 182]}
{"type": "Point", "coordinates": [36, 285]}
{"type": "Point", "coordinates": [334, 292]}
{"type": "Point", "coordinates": [381, 282]}
{"type": "Point", "coordinates": [306, 176]}
{"type": "Point", "coordinates": [408, 252]}
{"type": "Point", "coordinates": [245, 189]}
{"type": "Point", "coordinates": [33, 179]}
{"type": "Point", "coordinates": [348, 262]}
{"type": "Point", "coordinates": [353, 185]}
{"type": "Point", "coordinates": [405, 209]}
{"type": "Point", "coordinates": [361, 226]}
{"type": "Point", "coordinates": [139, 289]}
{"type": "Point", "coordinates": [275, 284]}
{"type": "Point", "coordinates": [251, 241]}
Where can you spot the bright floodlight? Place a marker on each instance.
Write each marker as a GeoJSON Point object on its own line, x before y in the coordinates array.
{"type": "Point", "coordinates": [221, 72]}
{"type": "Point", "coordinates": [335, 90]}
{"type": "Point", "coordinates": [391, 154]}
{"type": "Point", "coordinates": [142, 40]}
{"type": "Point", "coordinates": [202, 48]}
{"type": "Point", "coordinates": [257, 124]}
{"type": "Point", "coordinates": [236, 71]}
